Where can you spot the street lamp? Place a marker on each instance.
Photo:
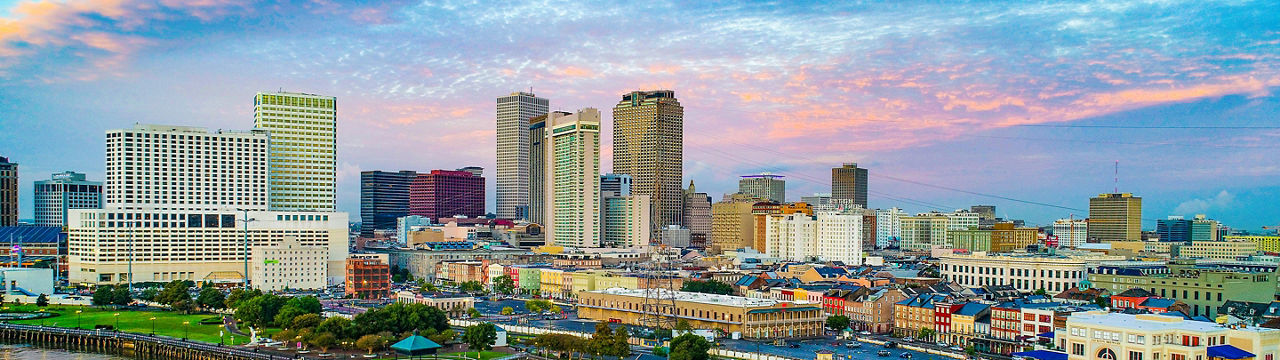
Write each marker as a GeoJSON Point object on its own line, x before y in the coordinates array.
{"type": "Point", "coordinates": [117, 316]}
{"type": "Point", "coordinates": [246, 220]}
{"type": "Point", "coordinates": [78, 318]}
{"type": "Point", "coordinates": [186, 329]}
{"type": "Point", "coordinates": [153, 325]}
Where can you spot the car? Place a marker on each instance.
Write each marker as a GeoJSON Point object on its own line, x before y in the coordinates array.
{"type": "Point", "coordinates": [957, 348]}
{"type": "Point", "coordinates": [794, 345]}
{"type": "Point", "coordinates": [864, 332]}
{"type": "Point", "coordinates": [853, 345]}
{"type": "Point", "coordinates": [890, 344]}
{"type": "Point", "coordinates": [942, 344]}
{"type": "Point", "coordinates": [908, 339]}
{"type": "Point", "coordinates": [883, 353]}
{"type": "Point", "coordinates": [905, 355]}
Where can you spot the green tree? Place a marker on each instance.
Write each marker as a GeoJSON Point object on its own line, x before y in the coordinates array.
{"type": "Point", "coordinates": [371, 343]}
{"type": "Point", "coordinates": [340, 327]}
{"type": "Point", "coordinates": [534, 306]}
{"type": "Point", "coordinates": [211, 298]}
{"type": "Point", "coordinates": [621, 342]}
{"type": "Point", "coordinates": [471, 287]}
{"type": "Point", "coordinates": [926, 333]}
{"type": "Point", "coordinates": [837, 322]}
{"type": "Point", "coordinates": [1102, 301]}
{"type": "Point", "coordinates": [480, 337]}
{"type": "Point", "coordinates": [260, 311]}
{"type": "Point", "coordinates": [42, 300]}
{"type": "Point", "coordinates": [174, 292]}
{"type": "Point", "coordinates": [707, 287]}
{"type": "Point", "coordinates": [689, 347]}
{"type": "Point", "coordinates": [971, 351]}
{"type": "Point", "coordinates": [323, 341]}
{"type": "Point", "coordinates": [308, 304]}
{"type": "Point", "coordinates": [683, 324]}
{"type": "Point", "coordinates": [284, 336]}
{"type": "Point", "coordinates": [555, 309]}
{"type": "Point", "coordinates": [601, 343]}
{"type": "Point", "coordinates": [504, 285]}
{"type": "Point", "coordinates": [1041, 291]}
{"type": "Point", "coordinates": [442, 337]}
{"type": "Point", "coordinates": [473, 313]}
{"type": "Point", "coordinates": [507, 310]}
{"type": "Point", "coordinates": [239, 295]}
{"type": "Point", "coordinates": [148, 294]}
{"type": "Point", "coordinates": [106, 295]}
{"type": "Point", "coordinates": [306, 321]}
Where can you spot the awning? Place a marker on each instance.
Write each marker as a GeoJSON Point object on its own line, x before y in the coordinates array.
{"type": "Point", "coordinates": [1041, 355]}
{"type": "Point", "coordinates": [1228, 352]}
{"type": "Point", "coordinates": [1048, 335]}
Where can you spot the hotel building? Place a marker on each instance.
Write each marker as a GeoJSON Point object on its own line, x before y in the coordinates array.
{"type": "Point", "coordinates": [64, 191]}
{"type": "Point", "coordinates": [304, 148]}
{"type": "Point", "coordinates": [289, 265]}
{"type": "Point", "coordinates": [572, 179]}
{"type": "Point", "coordinates": [753, 318]}
{"type": "Point", "coordinates": [648, 144]}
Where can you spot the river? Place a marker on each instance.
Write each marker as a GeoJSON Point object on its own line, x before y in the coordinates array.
{"type": "Point", "coordinates": [24, 352]}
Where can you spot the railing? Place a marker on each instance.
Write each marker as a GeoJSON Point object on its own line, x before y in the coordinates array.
{"type": "Point", "coordinates": [634, 341]}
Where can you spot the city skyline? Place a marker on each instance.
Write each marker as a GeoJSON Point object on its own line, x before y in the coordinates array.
{"type": "Point", "coordinates": [951, 102]}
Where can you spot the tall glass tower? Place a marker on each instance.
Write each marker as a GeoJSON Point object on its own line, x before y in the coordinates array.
{"type": "Point", "coordinates": [514, 112]}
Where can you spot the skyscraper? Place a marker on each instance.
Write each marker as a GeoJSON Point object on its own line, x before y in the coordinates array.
{"type": "Point", "coordinates": [573, 179]}
{"type": "Point", "coordinates": [8, 192]}
{"type": "Point", "coordinates": [536, 211]}
{"type": "Point", "coordinates": [615, 184]}
{"type": "Point", "coordinates": [187, 168]}
{"type": "Point", "coordinates": [1174, 229]}
{"type": "Point", "coordinates": [625, 220]}
{"type": "Point", "coordinates": [648, 144]}
{"type": "Point", "coordinates": [64, 191]}
{"type": "Point", "coordinates": [304, 148]}
{"type": "Point", "coordinates": [514, 112]}
{"type": "Point", "coordinates": [849, 182]}
{"type": "Point", "coordinates": [765, 186]}
{"type": "Point", "coordinates": [446, 193]}
{"type": "Point", "coordinates": [697, 216]}
{"type": "Point", "coordinates": [1116, 216]}
{"type": "Point", "coordinates": [384, 197]}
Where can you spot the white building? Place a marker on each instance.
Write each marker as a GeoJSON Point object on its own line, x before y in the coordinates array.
{"type": "Point", "coordinates": [64, 191]}
{"type": "Point", "coordinates": [626, 221]}
{"type": "Point", "coordinates": [830, 236]}
{"type": "Point", "coordinates": [289, 265]}
{"type": "Point", "coordinates": [962, 220]}
{"type": "Point", "coordinates": [166, 167]}
{"type": "Point", "coordinates": [1071, 233]}
{"type": "Point", "coordinates": [572, 149]}
{"type": "Point", "coordinates": [1026, 272]}
{"type": "Point", "coordinates": [303, 148]}
{"type": "Point", "coordinates": [513, 113]}
{"type": "Point", "coordinates": [675, 236]}
{"type": "Point", "coordinates": [888, 226]}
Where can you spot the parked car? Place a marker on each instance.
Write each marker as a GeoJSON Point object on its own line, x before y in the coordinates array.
{"type": "Point", "coordinates": [942, 344]}
{"type": "Point", "coordinates": [864, 332]}
{"type": "Point", "coordinates": [957, 348]}
{"type": "Point", "coordinates": [908, 339]}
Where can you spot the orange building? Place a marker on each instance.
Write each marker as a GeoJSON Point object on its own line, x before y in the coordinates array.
{"type": "Point", "coordinates": [761, 210]}
{"type": "Point", "coordinates": [368, 276]}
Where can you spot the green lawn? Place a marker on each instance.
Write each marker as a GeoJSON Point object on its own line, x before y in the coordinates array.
{"type": "Point", "coordinates": [471, 355]}
{"type": "Point", "coordinates": [166, 323]}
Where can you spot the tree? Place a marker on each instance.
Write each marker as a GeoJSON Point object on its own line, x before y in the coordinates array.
{"type": "Point", "coordinates": [837, 322]}
{"type": "Point", "coordinates": [480, 337]}
{"type": "Point", "coordinates": [621, 342]}
{"type": "Point", "coordinates": [1041, 291]}
{"type": "Point", "coordinates": [308, 304]}
{"type": "Point", "coordinates": [306, 321]}
{"type": "Point", "coordinates": [148, 294]}
{"type": "Point", "coordinates": [260, 311]}
{"type": "Point", "coordinates": [1102, 301]}
{"type": "Point", "coordinates": [971, 351]}
{"type": "Point", "coordinates": [174, 292]}
{"type": "Point", "coordinates": [473, 313]}
{"type": "Point", "coordinates": [925, 333]}
{"type": "Point", "coordinates": [707, 287]}
{"type": "Point", "coordinates": [507, 310]}
{"type": "Point", "coordinates": [42, 300]}
{"type": "Point", "coordinates": [183, 306]}
{"type": "Point", "coordinates": [442, 337]}
{"type": "Point", "coordinates": [239, 295]}
{"type": "Point", "coordinates": [285, 317]}
{"type": "Point", "coordinates": [111, 295]}
{"type": "Point", "coordinates": [504, 285]}
{"type": "Point", "coordinates": [340, 327]}
{"type": "Point", "coordinates": [689, 347]}
{"type": "Point", "coordinates": [371, 343]}
{"type": "Point", "coordinates": [471, 287]}
{"type": "Point", "coordinates": [683, 324]}
{"type": "Point", "coordinates": [211, 298]}
{"type": "Point", "coordinates": [555, 309]}
{"type": "Point", "coordinates": [534, 306]}
{"type": "Point", "coordinates": [323, 341]}
{"type": "Point", "coordinates": [284, 336]}
{"type": "Point", "coordinates": [601, 343]}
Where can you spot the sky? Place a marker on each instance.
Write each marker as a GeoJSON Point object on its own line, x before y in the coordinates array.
{"type": "Point", "coordinates": [1024, 105]}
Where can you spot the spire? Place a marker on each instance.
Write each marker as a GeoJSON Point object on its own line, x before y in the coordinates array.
{"type": "Point", "coordinates": [691, 188]}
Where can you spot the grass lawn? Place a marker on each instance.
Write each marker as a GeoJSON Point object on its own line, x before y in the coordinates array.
{"type": "Point", "coordinates": [471, 355]}
{"type": "Point", "coordinates": [167, 323]}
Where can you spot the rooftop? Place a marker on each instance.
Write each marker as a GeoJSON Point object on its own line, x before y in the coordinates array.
{"type": "Point", "coordinates": [711, 299]}
{"type": "Point", "coordinates": [1148, 322]}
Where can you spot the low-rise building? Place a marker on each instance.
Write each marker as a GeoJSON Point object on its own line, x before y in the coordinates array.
{"type": "Point", "coordinates": [447, 302]}
{"type": "Point", "coordinates": [368, 276]}
{"type": "Point", "coordinates": [289, 265]}
{"type": "Point", "coordinates": [1203, 288]}
{"type": "Point", "coordinates": [1025, 272]}
{"type": "Point", "coordinates": [873, 312]}
{"type": "Point", "coordinates": [1217, 250]}
{"type": "Point", "coordinates": [753, 318]}
{"type": "Point", "coordinates": [1103, 335]}
{"type": "Point", "coordinates": [1263, 243]}
{"type": "Point", "coordinates": [915, 314]}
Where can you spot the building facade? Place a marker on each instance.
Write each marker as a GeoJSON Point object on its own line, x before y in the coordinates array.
{"type": "Point", "coordinates": [1071, 232]}
{"type": "Point", "coordinates": [537, 210]}
{"type": "Point", "coordinates": [167, 167]}
{"type": "Point", "coordinates": [829, 236]}
{"type": "Point", "coordinates": [615, 185]}
{"type": "Point", "coordinates": [368, 276]}
{"type": "Point", "coordinates": [923, 231]}
{"type": "Point", "coordinates": [766, 186]}
{"type": "Point", "coordinates": [626, 221]}
{"type": "Point", "coordinates": [849, 182]}
{"type": "Point", "coordinates": [444, 193]}
{"type": "Point", "coordinates": [697, 216]}
{"type": "Point", "coordinates": [304, 148]}
{"type": "Point", "coordinates": [753, 318]}
{"type": "Point", "coordinates": [572, 179]}
{"type": "Point", "coordinates": [8, 192]}
{"type": "Point", "coordinates": [1025, 272]}
{"type": "Point", "coordinates": [648, 144]}
{"type": "Point", "coordinates": [513, 151]}
{"type": "Point", "coordinates": [732, 224]}
{"type": "Point", "coordinates": [1103, 336]}
{"type": "Point", "coordinates": [1115, 217]}
{"type": "Point", "coordinates": [889, 226]}
{"type": "Point", "coordinates": [1203, 289]}
{"type": "Point", "coordinates": [384, 197]}
{"type": "Point", "coordinates": [289, 265]}
{"type": "Point", "coordinates": [64, 191]}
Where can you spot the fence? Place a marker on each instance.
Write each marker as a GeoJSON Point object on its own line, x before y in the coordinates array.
{"type": "Point", "coordinates": [520, 329]}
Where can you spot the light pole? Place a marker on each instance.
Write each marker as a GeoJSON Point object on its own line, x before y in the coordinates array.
{"type": "Point", "coordinates": [246, 221]}
{"type": "Point", "coordinates": [186, 329]}
{"type": "Point", "coordinates": [117, 316]}
{"type": "Point", "coordinates": [153, 325]}
{"type": "Point", "coordinates": [78, 318]}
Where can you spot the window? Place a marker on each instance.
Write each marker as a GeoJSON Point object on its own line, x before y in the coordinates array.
{"type": "Point", "coordinates": [1077, 349]}
{"type": "Point", "coordinates": [1134, 355]}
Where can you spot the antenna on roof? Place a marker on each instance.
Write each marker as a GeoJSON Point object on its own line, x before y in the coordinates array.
{"type": "Point", "coordinates": [1116, 190]}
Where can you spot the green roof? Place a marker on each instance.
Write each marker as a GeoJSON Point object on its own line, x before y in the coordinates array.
{"type": "Point", "coordinates": [415, 344]}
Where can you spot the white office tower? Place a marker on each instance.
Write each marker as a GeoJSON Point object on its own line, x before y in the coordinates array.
{"type": "Point", "coordinates": [888, 226]}
{"type": "Point", "coordinates": [1071, 232]}
{"type": "Point", "coordinates": [289, 265]}
{"type": "Point", "coordinates": [177, 203]}
{"type": "Point", "coordinates": [626, 221]}
{"type": "Point", "coordinates": [303, 149]}
{"type": "Point", "coordinates": [572, 150]}
{"type": "Point", "coordinates": [514, 112]}
{"type": "Point", "coordinates": [64, 191]}
{"type": "Point", "coordinates": [827, 236]}
{"type": "Point", "coordinates": [962, 220]}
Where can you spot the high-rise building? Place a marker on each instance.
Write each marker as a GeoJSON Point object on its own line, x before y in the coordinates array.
{"type": "Point", "coordinates": [870, 229]}
{"type": "Point", "coordinates": [304, 148]}
{"type": "Point", "coordinates": [923, 231]}
{"type": "Point", "coordinates": [1204, 229]}
{"type": "Point", "coordinates": [1175, 229]}
{"type": "Point", "coordinates": [828, 236]}
{"type": "Point", "coordinates": [536, 211]}
{"type": "Point", "coordinates": [849, 182]}
{"type": "Point", "coordinates": [889, 226]}
{"type": "Point", "coordinates": [732, 224]}
{"type": "Point", "coordinates": [384, 197]}
{"type": "Point", "coordinates": [962, 220]}
{"type": "Point", "coordinates": [1071, 232]}
{"type": "Point", "coordinates": [573, 179]}
{"type": "Point", "coordinates": [697, 216]}
{"type": "Point", "coordinates": [819, 202]}
{"type": "Point", "coordinates": [1115, 217]}
{"type": "Point", "coordinates": [187, 168]}
{"type": "Point", "coordinates": [514, 112]}
{"type": "Point", "coordinates": [765, 186]}
{"type": "Point", "coordinates": [761, 211]}
{"type": "Point", "coordinates": [64, 191]}
{"type": "Point", "coordinates": [648, 144]}
{"type": "Point", "coordinates": [8, 192]}
{"type": "Point", "coordinates": [615, 185]}
{"type": "Point", "coordinates": [986, 214]}
{"type": "Point", "coordinates": [626, 221]}
{"type": "Point", "coordinates": [445, 193]}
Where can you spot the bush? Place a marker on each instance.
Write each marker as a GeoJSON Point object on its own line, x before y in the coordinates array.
{"type": "Point", "coordinates": [212, 320]}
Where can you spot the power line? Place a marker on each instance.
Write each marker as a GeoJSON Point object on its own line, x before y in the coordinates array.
{"type": "Point", "coordinates": [1167, 127]}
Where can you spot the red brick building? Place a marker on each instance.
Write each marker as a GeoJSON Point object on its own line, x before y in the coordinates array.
{"type": "Point", "coordinates": [445, 193]}
{"type": "Point", "coordinates": [368, 276]}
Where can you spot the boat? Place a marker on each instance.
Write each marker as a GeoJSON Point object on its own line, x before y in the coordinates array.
{"type": "Point", "coordinates": [883, 353]}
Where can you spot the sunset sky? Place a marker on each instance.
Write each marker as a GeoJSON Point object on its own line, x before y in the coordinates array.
{"type": "Point", "coordinates": [1023, 105]}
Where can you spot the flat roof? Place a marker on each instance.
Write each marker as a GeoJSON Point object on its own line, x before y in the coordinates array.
{"type": "Point", "coordinates": [1148, 322]}
{"type": "Point", "coordinates": [711, 299]}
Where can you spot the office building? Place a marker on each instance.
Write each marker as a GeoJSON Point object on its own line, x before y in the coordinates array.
{"type": "Point", "coordinates": [870, 229]}
{"type": "Point", "coordinates": [572, 194]}
{"type": "Point", "coordinates": [1264, 243]}
{"type": "Point", "coordinates": [1070, 232]}
{"type": "Point", "coordinates": [537, 211]}
{"type": "Point", "coordinates": [850, 182]}
{"type": "Point", "coordinates": [732, 224]}
{"type": "Point", "coordinates": [384, 197]}
{"type": "Point", "coordinates": [923, 231]}
{"type": "Point", "coordinates": [1203, 287]}
{"type": "Point", "coordinates": [753, 318]}
{"type": "Point", "coordinates": [444, 193]}
{"type": "Point", "coordinates": [765, 186]}
{"type": "Point", "coordinates": [889, 226]}
{"type": "Point", "coordinates": [615, 185]}
{"type": "Point", "coordinates": [8, 192]}
{"type": "Point", "coordinates": [648, 144]}
{"type": "Point", "coordinates": [962, 220]}
{"type": "Point", "coordinates": [514, 144]}
{"type": "Point", "coordinates": [1109, 335]}
{"type": "Point", "coordinates": [985, 212]}
{"type": "Point", "coordinates": [697, 216]}
{"type": "Point", "coordinates": [289, 265]}
{"type": "Point", "coordinates": [675, 236]}
{"type": "Point", "coordinates": [165, 167]}
{"type": "Point", "coordinates": [827, 236]}
{"type": "Point", "coordinates": [819, 202]}
{"type": "Point", "coordinates": [304, 148]}
{"type": "Point", "coordinates": [1025, 272]}
{"type": "Point", "coordinates": [1203, 229]}
{"type": "Point", "coordinates": [1002, 237]}
{"type": "Point", "coordinates": [1115, 217]}
{"type": "Point", "coordinates": [1174, 229]}
{"type": "Point", "coordinates": [406, 224]}
{"type": "Point", "coordinates": [626, 221]}
{"type": "Point", "coordinates": [761, 211]}
{"type": "Point", "coordinates": [64, 191]}
{"type": "Point", "coordinates": [1216, 250]}
{"type": "Point", "coordinates": [368, 276]}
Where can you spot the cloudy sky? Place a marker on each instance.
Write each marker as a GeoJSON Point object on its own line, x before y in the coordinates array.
{"type": "Point", "coordinates": [1023, 105]}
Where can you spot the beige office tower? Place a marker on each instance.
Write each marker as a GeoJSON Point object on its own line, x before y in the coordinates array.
{"type": "Point", "coordinates": [732, 224]}
{"type": "Point", "coordinates": [304, 149]}
{"type": "Point", "coordinates": [1115, 217]}
{"type": "Point", "coordinates": [648, 144]}
{"type": "Point", "coordinates": [572, 196]}
{"type": "Point", "coordinates": [513, 150]}
{"type": "Point", "coordinates": [849, 182]}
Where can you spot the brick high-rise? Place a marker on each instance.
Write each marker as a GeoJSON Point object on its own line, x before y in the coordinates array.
{"type": "Point", "coordinates": [446, 193]}
{"type": "Point", "coordinates": [850, 182]}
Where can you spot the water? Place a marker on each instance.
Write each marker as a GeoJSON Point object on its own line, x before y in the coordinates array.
{"type": "Point", "coordinates": [25, 352]}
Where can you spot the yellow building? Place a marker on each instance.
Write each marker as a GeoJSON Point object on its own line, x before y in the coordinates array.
{"type": "Point", "coordinates": [753, 318]}
{"type": "Point", "coordinates": [914, 313]}
{"type": "Point", "coordinates": [1218, 250]}
{"type": "Point", "coordinates": [1265, 243]}
{"type": "Point", "coordinates": [1115, 336]}
{"type": "Point", "coordinates": [1005, 237]}
{"type": "Point", "coordinates": [1115, 217]}
{"type": "Point", "coordinates": [732, 225]}
{"type": "Point", "coordinates": [556, 283]}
